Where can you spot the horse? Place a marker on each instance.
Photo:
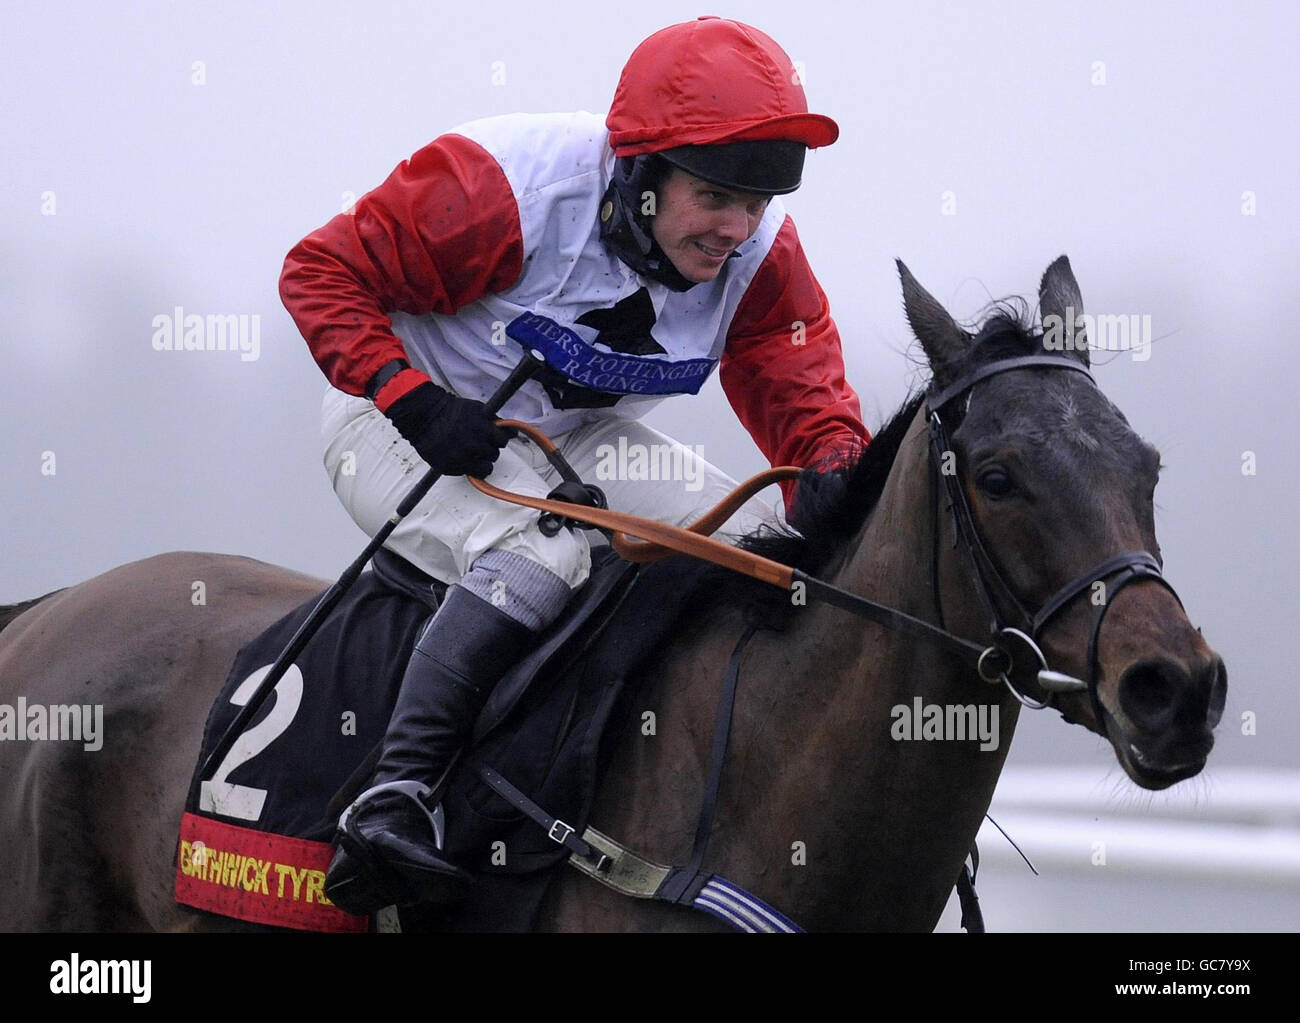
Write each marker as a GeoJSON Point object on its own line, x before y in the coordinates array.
{"type": "Point", "coordinates": [831, 807]}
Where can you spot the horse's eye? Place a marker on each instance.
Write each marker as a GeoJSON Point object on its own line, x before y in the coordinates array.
{"type": "Point", "coordinates": [995, 482]}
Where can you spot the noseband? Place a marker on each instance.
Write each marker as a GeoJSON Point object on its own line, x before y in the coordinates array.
{"type": "Point", "coordinates": [996, 662]}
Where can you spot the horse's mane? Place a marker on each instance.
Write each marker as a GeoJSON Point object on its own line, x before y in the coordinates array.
{"type": "Point", "coordinates": [831, 507]}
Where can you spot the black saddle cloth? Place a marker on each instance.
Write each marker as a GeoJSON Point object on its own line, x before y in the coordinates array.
{"type": "Point", "coordinates": [548, 727]}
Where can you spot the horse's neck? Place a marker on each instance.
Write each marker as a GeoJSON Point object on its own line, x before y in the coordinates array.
{"type": "Point", "coordinates": [898, 813]}
{"type": "Point", "coordinates": [822, 812]}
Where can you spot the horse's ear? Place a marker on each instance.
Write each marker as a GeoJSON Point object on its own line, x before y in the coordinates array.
{"type": "Point", "coordinates": [945, 343]}
{"type": "Point", "coordinates": [1061, 307]}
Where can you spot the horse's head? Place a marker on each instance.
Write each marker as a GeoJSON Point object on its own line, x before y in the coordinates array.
{"type": "Point", "coordinates": [1058, 485]}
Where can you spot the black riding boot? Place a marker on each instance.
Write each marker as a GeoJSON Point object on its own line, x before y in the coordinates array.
{"type": "Point", "coordinates": [385, 846]}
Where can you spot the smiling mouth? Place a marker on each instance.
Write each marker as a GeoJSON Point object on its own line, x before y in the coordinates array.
{"type": "Point", "coordinates": [713, 253]}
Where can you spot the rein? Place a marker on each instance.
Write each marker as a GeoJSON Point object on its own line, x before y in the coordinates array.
{"type": "Point", "coordinates": [640, 539]}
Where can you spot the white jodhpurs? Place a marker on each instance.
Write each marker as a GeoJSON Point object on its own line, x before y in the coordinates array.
{"type": "Point", "coordinates": [640, 470]}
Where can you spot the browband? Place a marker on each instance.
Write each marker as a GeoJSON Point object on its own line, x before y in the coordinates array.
{"type": "Point", "coordinates": [939, 400]}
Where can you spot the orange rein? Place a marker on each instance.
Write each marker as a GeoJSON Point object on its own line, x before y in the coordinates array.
{"type": "Point", "coordinates": [639, 539]}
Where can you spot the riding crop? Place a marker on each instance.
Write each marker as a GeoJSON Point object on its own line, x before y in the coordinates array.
{"type": "Point", "coordinates": [527, 367]}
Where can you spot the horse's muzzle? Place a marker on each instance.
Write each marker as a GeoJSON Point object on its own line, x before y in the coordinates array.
{"type": "Point", "coordinates": [1169, 711]}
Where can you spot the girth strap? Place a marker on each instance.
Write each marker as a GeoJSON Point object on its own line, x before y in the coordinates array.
{"type": "Point", "coordinates": [717, 757]}
{"type": "Point", "coordinates": [556, 829]}
{"type": "Point", "coordinates": [617, 867]}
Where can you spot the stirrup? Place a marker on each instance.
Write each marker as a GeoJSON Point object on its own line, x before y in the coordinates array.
{"type": "Point", "coordinates": [413, 790]}
{"type": "Point", "coordinates": [361, 882]}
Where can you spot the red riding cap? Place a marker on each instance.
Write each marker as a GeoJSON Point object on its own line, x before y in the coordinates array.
{"type": "Point", "coordinates": [709, 81]}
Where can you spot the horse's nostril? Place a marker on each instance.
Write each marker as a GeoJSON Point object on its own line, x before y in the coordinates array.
{"type": "Point", "coordinates": [1159, 694]}
{"type": "Point", "coordinates": [1217, 672]}
{"type": "Point", "coordinates": [1148, 693]}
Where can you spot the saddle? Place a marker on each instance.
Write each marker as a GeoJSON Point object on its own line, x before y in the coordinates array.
{"type": "Point", "coordinates": [255, 838]}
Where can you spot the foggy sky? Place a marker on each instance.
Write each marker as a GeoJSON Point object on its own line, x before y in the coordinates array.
{"type": "Point", "coordinates": [977, 143]}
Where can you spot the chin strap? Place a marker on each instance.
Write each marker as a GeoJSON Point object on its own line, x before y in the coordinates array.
{"type": "Point", "coordinates": [626, 232]}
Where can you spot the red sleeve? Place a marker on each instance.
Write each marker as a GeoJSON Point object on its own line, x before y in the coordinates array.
{"type": "Point", "coordinates": [440, 232]}
{"type": "Point", "coordinates": [787, 386]}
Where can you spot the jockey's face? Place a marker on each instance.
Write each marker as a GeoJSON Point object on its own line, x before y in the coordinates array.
{"type": "Point", "coordinates": [698, 224]}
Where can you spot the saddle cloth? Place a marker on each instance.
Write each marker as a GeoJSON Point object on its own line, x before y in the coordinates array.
{"type": "Point", "coordinates": [255, 838]}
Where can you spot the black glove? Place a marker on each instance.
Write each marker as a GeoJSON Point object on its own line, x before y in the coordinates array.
{"type": "Point", "coordinates": [455, 435]}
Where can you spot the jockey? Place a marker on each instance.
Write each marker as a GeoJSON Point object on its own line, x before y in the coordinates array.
{"type": "Point", "coordinates": [658, 238]}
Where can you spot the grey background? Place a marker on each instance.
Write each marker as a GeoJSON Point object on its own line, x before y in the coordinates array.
{"type": "Point", "coordinates": [170, 193]}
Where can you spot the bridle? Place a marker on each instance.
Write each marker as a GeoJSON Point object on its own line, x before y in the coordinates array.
{"type": "Point", "coordinates": [996, 662]}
